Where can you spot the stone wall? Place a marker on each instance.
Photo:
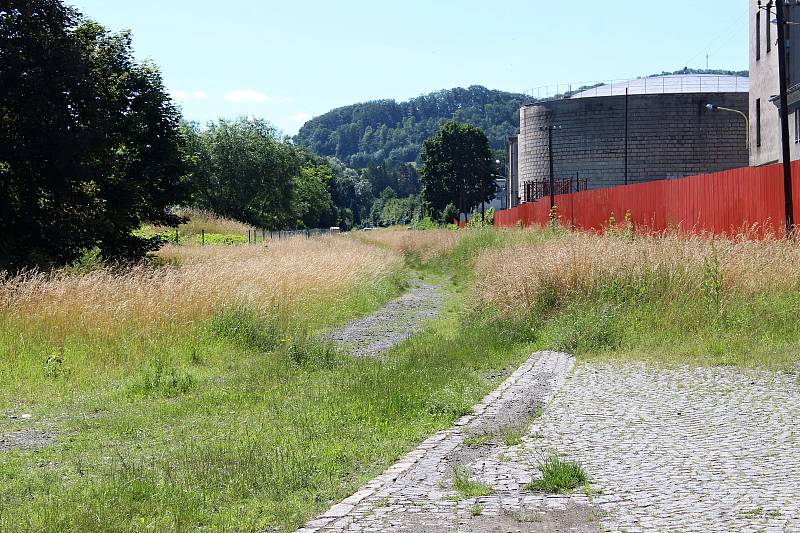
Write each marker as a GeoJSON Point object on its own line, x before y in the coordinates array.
{"type": "Point", "coordinates": [669, 136]}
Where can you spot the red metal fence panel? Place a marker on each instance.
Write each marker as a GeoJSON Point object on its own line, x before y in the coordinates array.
{"type": "Point", "coordinates": [742, 200]}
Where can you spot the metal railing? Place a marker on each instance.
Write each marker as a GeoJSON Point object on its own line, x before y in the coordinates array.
{"type": "Point", "coordinates": [536, 190]}
{"type": "Point", "coordinates": [680, 83]}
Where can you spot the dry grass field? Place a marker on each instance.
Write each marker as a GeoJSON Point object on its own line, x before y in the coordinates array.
{"type": "Point", "coordinates": [423, 244]}
{"type": "Point", "coordinates": [670, 298]}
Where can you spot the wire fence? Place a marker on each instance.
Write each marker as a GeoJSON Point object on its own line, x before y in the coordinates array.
{"type": "Point", "coordinates": [682, 83]}
{"type": "Point", "coordinates": [251, 236]}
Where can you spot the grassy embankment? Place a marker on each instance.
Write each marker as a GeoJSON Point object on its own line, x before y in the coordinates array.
{"type": "Point", "coordinates": [195, 394]}
{"type": "Point", "coordinates": [667, 299]}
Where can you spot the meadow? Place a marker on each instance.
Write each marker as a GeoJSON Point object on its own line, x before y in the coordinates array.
{"type": "Point", "coordinates": [193, 392]}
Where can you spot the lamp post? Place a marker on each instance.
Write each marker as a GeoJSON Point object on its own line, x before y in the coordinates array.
{"type": "Point", "coordinates": [712, 107]}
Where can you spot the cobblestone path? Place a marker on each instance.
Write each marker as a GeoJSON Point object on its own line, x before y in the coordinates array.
{"type": "Point", "coordinates": [416, 494]}
{"type": "Point", "coordinates": [682, 449]}
{"type": "Point", "coordinates": [677, 449]}
{"type": "Point", "coordinates": [396, 321]}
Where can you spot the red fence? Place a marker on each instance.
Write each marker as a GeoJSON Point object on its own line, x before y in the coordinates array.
{"type": "Point", "coordinates": [727, 202]}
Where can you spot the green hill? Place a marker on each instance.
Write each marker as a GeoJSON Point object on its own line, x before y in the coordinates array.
{"type": "Point", "coordinates": [393, 132]}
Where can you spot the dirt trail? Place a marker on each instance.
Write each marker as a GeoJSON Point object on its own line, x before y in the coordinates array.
{"type": "Point", "coordinates": [398, 320]}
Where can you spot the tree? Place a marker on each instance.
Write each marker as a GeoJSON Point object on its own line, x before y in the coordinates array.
{"type": "Point", "coordinates": [457, 168]}
{"type": "Point", "coordinates": [312, 204]}
{"type": "Point", "coordinates": [246, 172]}
{"type": "Point", "coordinates": [89, 140]}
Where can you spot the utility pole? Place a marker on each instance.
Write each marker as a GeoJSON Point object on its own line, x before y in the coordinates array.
{"type": "Point", "coordinates": [626, 135]}
{"type": "Point", "coordinates": [552, 177]}
{"type": "Point", "coordinates": [780, 13]}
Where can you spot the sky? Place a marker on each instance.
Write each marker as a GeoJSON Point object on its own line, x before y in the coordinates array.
{"type": "Point", "coordinates": [288, 60]}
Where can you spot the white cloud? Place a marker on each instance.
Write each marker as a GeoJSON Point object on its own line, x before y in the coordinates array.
{"type": "Point", "coordinates": [247, 96]}
{"type": "Point", "coordinates": [190, 95]}
{"type": "Point", "coordinates": [299, 118]}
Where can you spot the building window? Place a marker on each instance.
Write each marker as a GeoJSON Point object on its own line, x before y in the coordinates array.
{"type": "Point", "coordinates": [758, 35]}
{"type": "Point", "coordinates": [769, 26]}
{"type": "Point", "coordinates": [758, 122]}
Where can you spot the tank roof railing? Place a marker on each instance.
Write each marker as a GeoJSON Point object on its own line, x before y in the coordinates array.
{"type": "Point", "coordinates": [672, 84]}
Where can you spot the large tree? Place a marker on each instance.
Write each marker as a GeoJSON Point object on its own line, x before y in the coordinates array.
{"type": "Point", "coordinates": [89, 140]}
{"type": "Point", "coordinates": [457, 168]}
{"type": "Point", "coordinates": [245, 171]}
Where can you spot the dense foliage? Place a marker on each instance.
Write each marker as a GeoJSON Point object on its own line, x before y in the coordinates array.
{"type": "Point", "coordinates": [244, 171]}
{"type": "Point", "coordinates": [89, 140]}
{"type": "Point", "coordinates": [457, 168]}
{"type": "Point", "coordinates": [388, 131]}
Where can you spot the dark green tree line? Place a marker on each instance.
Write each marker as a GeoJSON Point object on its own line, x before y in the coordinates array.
{"type": "Point", "coordinates": [89, 139]}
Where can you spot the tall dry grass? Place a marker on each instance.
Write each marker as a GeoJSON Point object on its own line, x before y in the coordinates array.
{"type": "Point", "coordinates": [210, 222]}
{"type": "Point", "coordinates": [99, 304]}
{"type": "Point", "coordinates": [518, 277]}
{"type": "Point", "coordinates": [425, 244]}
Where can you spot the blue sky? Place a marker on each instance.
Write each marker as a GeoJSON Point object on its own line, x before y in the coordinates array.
{"type": "Point", "coordinates": [287, 61]}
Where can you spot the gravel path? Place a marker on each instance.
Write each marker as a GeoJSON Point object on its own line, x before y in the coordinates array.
{"type": "Point", "coordinates": [681, 449]}
{"type": "Point", "coordinates": [373, 335]}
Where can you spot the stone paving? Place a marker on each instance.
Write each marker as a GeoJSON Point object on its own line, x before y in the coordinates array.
{"type": "Point", "coordinates": [416, 494]}
{"type": "Point", "coordinates": [678, 449]}
{"type": "Point", "coordinates": [682, 449]}
{"type": "Point", "coordinates": [398, 320]}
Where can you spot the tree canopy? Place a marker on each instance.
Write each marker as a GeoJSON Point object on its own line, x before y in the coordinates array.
{"type": "Point", "coordinates": [457, 168]}
{"type": "Point", "coordinates": [244, 170]}
{"type": "Point", "coordinates": [89, 140]}
{"type": "Point", "coordinates": [388, 131]}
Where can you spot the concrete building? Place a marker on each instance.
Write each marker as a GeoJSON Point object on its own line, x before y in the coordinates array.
{"type": "Point", "coordinates": [628, 132]}
{"type": "Point", "coordinates": [765, 140]}
{"type": "Point", "coordinates": [512, 178]}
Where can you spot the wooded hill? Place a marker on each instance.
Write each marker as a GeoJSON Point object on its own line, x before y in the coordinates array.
{"type": "Point", "coordinates": [393, 132]}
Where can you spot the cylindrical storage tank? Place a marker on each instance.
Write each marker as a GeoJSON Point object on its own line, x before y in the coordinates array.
{"type": "Point", "coordinates": [534, 158]}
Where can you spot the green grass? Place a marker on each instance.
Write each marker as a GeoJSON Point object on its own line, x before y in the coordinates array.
{"type": "Point", "coordinates": [247, 422]}
{"type": "Point", "coordinates": [243, 423]}
{"type": "Point", "coordinates": [467, 487]}
{"type": "Point", "coordinates": [662, 328]}
{"type": "Point", "coordinates": [558, 476]}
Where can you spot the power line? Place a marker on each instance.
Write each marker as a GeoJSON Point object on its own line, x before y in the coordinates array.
{"type": "Point", "coordinates": [724, 32]}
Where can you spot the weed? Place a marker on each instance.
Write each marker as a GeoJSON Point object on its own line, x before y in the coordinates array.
{"type": "Point", "coordinates": [558, 476]}
{"type": "Point", "coordinates": [476, 441]}
{"type": "Point", "coordinates": [162, 380]}
{"type": "Point", "coordinates": [54, 366]}
{"type": "Point", "coordinates": [512, 436]}
{"type": "Point", "coordinates": [476, 510]}
{"type": "Point", "coordinates": [466, 487]}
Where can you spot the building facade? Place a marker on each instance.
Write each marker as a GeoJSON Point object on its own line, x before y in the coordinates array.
{"type": "Point", "coordinates": [512, 171]}
{"type": "Point", "coordinates": [641, 130]}
{"type": "Point", "coordinates": [765, 130]}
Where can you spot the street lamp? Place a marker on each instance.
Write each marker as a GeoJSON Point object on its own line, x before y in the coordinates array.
{"type": "Point", "coordinates": [712, 107]}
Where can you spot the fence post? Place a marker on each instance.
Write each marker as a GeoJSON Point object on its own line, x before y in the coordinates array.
{"type": "Point", "coordinates": [248, 237]}
{"type": "Point", "coordinates": [202, 237]}
{"type": "Point", "coordinates": [177, 241]}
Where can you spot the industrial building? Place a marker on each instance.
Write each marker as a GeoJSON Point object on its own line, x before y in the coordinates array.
{"type": "Point", "coordinates": [629, 132]}
{"type": "Point", "coordinates": [765, 132]}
